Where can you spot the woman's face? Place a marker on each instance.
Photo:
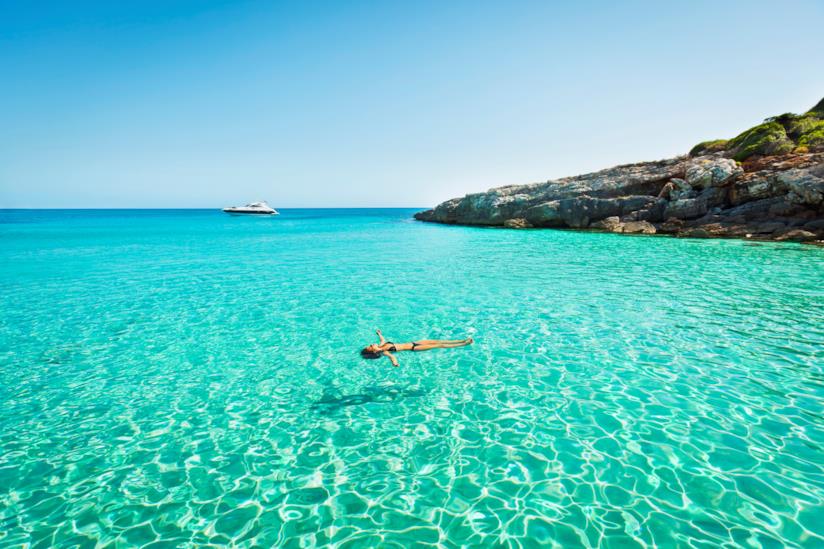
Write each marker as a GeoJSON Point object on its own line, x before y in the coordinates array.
{"type": "Point", "coordinates": [373, 348]}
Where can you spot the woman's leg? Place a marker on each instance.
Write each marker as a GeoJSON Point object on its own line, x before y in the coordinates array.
{"type": "Point", "coordinates": [427, 344]}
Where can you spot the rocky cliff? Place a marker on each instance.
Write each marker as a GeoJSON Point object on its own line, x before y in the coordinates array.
{"type": "Point", "coordinates": [767, 183]}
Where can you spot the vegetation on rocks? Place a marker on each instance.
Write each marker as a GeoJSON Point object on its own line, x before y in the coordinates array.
{"type": "Point", "coordinates": [776, 135]}
{"type": "Point", "coordinates": [813, 138]}
{"type": "Point", "coordinates": [799, 125]}
{"type": "Point", "coordinates": [706, 147]}
{"type": "Point", "coordinates": [765, 139]}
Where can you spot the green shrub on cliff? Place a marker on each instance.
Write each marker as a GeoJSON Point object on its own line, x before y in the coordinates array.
{"type": "Point", "coordinates": [813, 138]}
{"type": "Point", "coordinates": [776, 135]}
{"type": "Point", "coordinates": [706, 147]}
{"type": "Point", "coordinates": [799, 125]}
{"type": "Point", "coordinates": [767, 138]}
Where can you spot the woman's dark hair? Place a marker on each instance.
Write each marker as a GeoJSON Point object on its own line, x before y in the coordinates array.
{"type": "Point", "coordinates": [366, 353]}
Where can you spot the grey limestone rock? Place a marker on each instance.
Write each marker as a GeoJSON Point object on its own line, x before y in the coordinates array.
{"type": "Point", "coordinates": [706, 172]}
{"type": "Point", "coordinates": [711, 193]}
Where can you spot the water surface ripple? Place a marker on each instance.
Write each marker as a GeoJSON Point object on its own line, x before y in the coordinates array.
{"type": "Point", "coordinates": [188, 378]}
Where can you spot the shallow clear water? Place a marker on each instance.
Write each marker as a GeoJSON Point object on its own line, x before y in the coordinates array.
{"type": "Point", "coordinates": [192, 378]}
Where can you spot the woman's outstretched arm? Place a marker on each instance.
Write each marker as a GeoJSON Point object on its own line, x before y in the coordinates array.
{"type": "Point", "coordinates": [391, 357]}
{"type": "Point", "coordinates": [380, 335]}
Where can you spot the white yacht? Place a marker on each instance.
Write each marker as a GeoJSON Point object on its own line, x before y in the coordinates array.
{"type": "Point", "coordinates": [255, 208]}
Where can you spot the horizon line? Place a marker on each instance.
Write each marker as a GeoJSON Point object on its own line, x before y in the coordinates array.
{"type": "Point", "coordinates": [219, 209]}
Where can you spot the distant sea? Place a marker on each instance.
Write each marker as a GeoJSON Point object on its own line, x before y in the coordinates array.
{"type": "Point", "coordinates": [183, 377]}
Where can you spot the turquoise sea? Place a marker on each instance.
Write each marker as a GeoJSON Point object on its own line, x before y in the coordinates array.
{"type": "Point", "coordinates": [186, 378]}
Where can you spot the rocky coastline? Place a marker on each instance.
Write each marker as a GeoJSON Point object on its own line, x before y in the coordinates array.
{"type": "Point", "coordinates": [767, 184]}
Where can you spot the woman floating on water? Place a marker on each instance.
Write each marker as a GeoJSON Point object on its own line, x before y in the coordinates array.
{"type": "Point", "coordinates": [386, 348]}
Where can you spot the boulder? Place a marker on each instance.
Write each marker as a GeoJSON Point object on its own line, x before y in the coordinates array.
{"type": "Point", "coordinates": [756, 187]}
{"type": "Point", "coordinates": [687, 208]}
{"type": "Point", "coordinates": [671, 225]}
{"type": "Point", "coordinates": [681, 189]}
{"type": "Point", "coordinates": [804, 187]}
{"type": "Point", "coordinates": [638, 227]}
{"type": "Point", "coordinates": [612, 224]}
{"type": "Point", "coordinates": [691, 208]}
{"type": "Point", "coordinates": [711, 172]}
{"type": "Point", "coordinates": [797, 235]}
{"type": "Point", "coordinates": [715, 196]}
{"type": "Point", "coordinates": [653, 211]}
{"type": "Point", "coordinates": [517, 223]}
{"type": "Point", "coordinates": [577, 212]}
{"type": "Point", "coordinates": [546, 214]}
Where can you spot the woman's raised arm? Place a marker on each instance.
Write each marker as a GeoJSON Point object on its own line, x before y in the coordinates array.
{"type": "Point", "coordinates": [380, 335]}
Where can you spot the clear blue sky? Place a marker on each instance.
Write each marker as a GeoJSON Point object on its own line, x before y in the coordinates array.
{"type": "Point", "coordinates": [207, 103]}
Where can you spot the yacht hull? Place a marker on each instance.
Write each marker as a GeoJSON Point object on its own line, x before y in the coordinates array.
{"type": "Point", "coordinates": [240, 212]}
{"type": "Point", "coordinates": [253, 208]}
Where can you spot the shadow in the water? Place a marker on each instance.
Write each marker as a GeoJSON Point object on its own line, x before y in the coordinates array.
{"type": "Point", "coordinates": [333, 400]}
